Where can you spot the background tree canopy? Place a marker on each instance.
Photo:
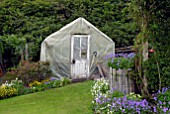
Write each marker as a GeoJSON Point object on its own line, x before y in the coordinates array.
{"type": "Point", "coordinates": [34, 20]}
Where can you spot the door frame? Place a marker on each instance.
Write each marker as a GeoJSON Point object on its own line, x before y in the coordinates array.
{"type": "Point", "coordinates": [88, 53]}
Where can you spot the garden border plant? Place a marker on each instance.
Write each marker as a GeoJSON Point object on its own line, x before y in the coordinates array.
{"type": "Point", "coordinates": [16, 87]}
{"type": "Point", "coordinates": [115, 102]}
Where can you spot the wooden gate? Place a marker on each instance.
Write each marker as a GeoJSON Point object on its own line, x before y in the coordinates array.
{"type": "Point", "coordinates": [120, 80]}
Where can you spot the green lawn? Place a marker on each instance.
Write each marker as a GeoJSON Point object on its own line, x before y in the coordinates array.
{"type": "Point", "coordinates": [70, 99]}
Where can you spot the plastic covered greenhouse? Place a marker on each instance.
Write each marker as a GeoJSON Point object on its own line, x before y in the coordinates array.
{"type": "Point", "coordinates": [76, 50]}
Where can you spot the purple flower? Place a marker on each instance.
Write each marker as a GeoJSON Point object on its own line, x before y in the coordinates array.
{"type": "Point", "coordinates": [155, 98]}
{"type": "Point", "coordinates": [97, 100]}
{"type": "Point", "coordinates": [125, 55]}
{"type": "Point", "coordinates": [112, 60]}
{"type": "Point", "coordinates": [165, 109]}
{"type": "Point", "coordinates": [154, 109]}
{"type": "Point", "coordinates": [108, 99]}
{"type": "Point", "coordinates": [160, 102]}
{"type": "Point", "coordinates": [53, 78]}
{"type": "Point", "coordinates": [109, 56]}
{"type": "Point", "coordinates": [131, 55]}
{"type": "Point", "coordinates": [46, 82]}
{"type": "Point", "coordinates": [123, 110]}
{"type": "Point", "coordinates": [113, 89]}
{"type": "Point", "coordinates": [124, 98]}
{"type": "Point", "coordinates": [138, 110]}
{"type": "Point", "coordinates": [117, 64]}
{"type": "Point", "coordinates": [113, 104]}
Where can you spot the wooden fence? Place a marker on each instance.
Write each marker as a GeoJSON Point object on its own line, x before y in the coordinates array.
{"type": "Point", "coordinates": [119, 79]}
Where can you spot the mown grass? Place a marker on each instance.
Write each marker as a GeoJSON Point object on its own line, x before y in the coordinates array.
{"type": "Point", "coordinates": [70, 99]}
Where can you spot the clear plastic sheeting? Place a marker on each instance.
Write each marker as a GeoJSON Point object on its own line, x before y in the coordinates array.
{"type": "Point", "coordinates": [75, 50]}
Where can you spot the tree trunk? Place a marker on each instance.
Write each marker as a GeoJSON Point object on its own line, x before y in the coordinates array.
{"type": "Point", "coordinates": [26, 51]}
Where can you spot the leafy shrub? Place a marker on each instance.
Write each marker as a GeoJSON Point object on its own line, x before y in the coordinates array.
{"type": "Point", "coordinates": [33, 71]}
{"type": "Point", "coordinates": [162, 101]}
{"type": "Point", "coordinates": [133, 96]}
{"type": "Point", "coordinates": [29, 72]}
{"type": "Point", "coordinates": [34, 83]}
{"type": "Point", "coordinates": [7, 90]}
{"type": "Point", "coordinates": [56, 83]}
{"type": "Point", "coordinates": [18, 85]}
{"type": "Point", "coordinates": [116, 94]}
{"type": "Point", "coordinates": [100, 87]}
{"type": "Point", "coordinates": [25, 90]}
{"type": "Point", "coordinates": [121, 61]}
{"type": "Point", "coordinates": [115, 102]}
{"type": "Point", "coordinates": [157, 65]}
{"type": "Point", "coordinates": [48, 84]}
{"type": "Point", "coordinates": [65, 81]}
{"type": "Point", "coordinates": [10, 75]}
{"type": "Point", "coordinates": [120, 104]}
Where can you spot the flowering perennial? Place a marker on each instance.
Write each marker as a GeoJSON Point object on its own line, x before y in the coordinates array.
{"type": "Point", "coordinates": [121, 60]}
{"type": "Point", "coordinates": [100, 87]}
{"type": "Point", "coordinates": [9, 89]}
{"type": "Point", "coordinates": [114, 102]}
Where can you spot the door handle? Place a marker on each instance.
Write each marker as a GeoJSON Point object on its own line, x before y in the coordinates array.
{"type": "Point", "coordinates": [73, 61]}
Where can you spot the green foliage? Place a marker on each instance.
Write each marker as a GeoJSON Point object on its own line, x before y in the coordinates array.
{"type": "Point", "coordinates": [48, 84]}
{"type": "Point", "coordinates": [121, 60]}
{"type": "Point", "coordinates": [153, 73]}
{"type": "Point", "coordinates": [33, 71]}
{"type": "Point", "coordinates": [56, 83]}
{"type": "Point", "coordinates": [18, 85]}
{"type": "Point", "coordinates": [133, 96]}
{"type": "Point", "coordinates": [100, 87]}
{"type": "Point", "coordinates": [13, 88]}
{"type": "Point", "coordinates": [116, 94]}
{"type": "Point", "coordinates": [121, 63]}
{"type": "Point", "coordinates": [35, 20]}
{"type": "Point", "coordinates": [65, 81]}
{"type": "Point", "coordinates": [164, 98]}
{"type": "Point", "coordinates": [153, 20]}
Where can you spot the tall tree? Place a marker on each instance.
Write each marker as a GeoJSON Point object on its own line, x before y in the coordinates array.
{"type": "Point", "coordinates": [153, 20]}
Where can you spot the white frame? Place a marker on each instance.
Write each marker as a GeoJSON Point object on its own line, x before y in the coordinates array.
{"type": "Point", "coordinates": [88, 51]}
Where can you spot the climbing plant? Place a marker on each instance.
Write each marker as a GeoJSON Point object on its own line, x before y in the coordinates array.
{"type": "Point", "coordinates": [153, 20]}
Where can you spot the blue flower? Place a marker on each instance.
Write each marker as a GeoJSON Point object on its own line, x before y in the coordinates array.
{"type": "Point", "coordinates": [46, 82]}
{"type": "Point", "coordinates": [155, 98]}
{"type": "Point", "coordinates": [154, 109]}
{"type": "Point", "coordinates": [111, 55]}
{"type": "Point", "coordinates": [131, 55]}
{"type": "Point", "coordinates": [165, 109]}
{"type": "Point", "coordinates": [160, 102]}
{"type": "Point", "coordinates": [112, 60]}
{"type": "Point", "coordinates": [53, 78]}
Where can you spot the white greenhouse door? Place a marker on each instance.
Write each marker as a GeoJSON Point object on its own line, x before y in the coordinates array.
{"type": "Point", "coordinates": [80, 56]}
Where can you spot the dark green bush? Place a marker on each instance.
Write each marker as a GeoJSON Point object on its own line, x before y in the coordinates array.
{"type": "Point", "coordinates": [33, 71]}
{"type": "Point", "coordinates": [152, 73]}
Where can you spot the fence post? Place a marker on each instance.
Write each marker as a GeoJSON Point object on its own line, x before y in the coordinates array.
{"type": "Point", "coordinates": [111, 78]}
